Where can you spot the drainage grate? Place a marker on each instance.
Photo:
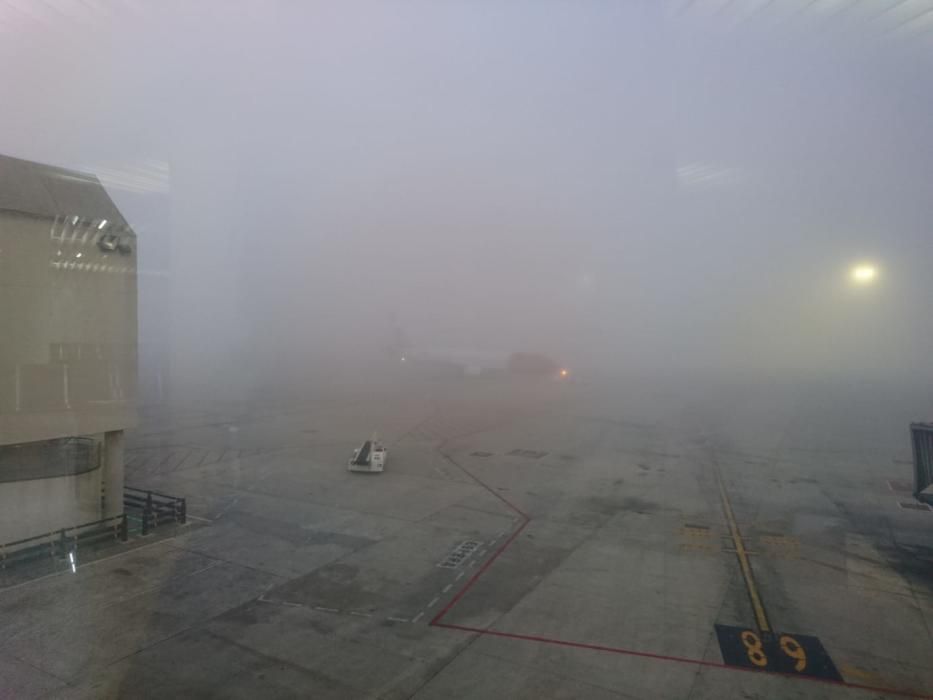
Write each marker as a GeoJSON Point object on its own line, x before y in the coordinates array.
{"type": "Point", "coordinates": [913, 505]}
{"type": "Point", "coordinates": [461, 552]}
{"type": "Point", "coordinates": [480, 453]}
{"type": "Point", "coordinates": [531, 454]}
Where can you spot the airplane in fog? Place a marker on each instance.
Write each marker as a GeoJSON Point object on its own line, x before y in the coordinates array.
{"type": "Point", "coordinates": [475, 363]}
{"type": "Point", "coordinates": [469, 362]}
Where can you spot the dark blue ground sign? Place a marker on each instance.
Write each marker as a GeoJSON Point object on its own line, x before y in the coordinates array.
{"type": "Point", "coordinates": [793, 654]}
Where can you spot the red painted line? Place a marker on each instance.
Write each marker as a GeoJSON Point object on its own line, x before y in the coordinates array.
{"type": "Point", "coordinates": [436, 620]}
{"type": "Point", "coordinates": [580, 645]}
{"type": "Point", "coordinates": [489, 562]}
{"type": "Point", "coordinates": [675, 659]}
{"type": "Point", "coordinates": [475, 577]}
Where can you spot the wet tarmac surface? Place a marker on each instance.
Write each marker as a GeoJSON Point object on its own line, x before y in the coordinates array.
{"type": "Point", "coordinates": [640, 539]}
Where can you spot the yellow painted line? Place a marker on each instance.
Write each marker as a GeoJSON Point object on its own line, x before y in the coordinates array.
{"type": "Point", "coordinates": [742, 554]}
{"type": "Point", "coordinates": [849, 670]}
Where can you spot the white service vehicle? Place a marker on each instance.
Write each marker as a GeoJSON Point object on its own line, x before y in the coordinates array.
{"type": "Point", "coordinates": [369, 457]}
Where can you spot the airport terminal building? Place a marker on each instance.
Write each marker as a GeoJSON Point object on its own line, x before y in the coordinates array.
{"type": "Point", "coordinates": [68, 310]}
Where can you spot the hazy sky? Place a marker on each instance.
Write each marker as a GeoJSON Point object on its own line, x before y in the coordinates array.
{"type": "Point", "coordinates": [617, 183]}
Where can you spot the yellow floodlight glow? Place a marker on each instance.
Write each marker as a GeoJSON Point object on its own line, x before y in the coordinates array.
{"type": "Point", "coordinates": [564, 373]}
{"type": "Point", "coordinates": [863, 274]}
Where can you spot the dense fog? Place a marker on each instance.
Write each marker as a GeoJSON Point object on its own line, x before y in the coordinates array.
{"type": "Point", "coordinates": [624, 186]}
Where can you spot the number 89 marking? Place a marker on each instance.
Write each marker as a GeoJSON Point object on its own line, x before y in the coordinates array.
{"type": "Point", "coordinates": [790, 646]}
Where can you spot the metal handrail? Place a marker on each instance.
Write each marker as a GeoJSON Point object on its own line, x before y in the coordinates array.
{"type": "Point", "coordinates": [153, 509]}
{"type": "Point", "coordinates": [154, 493]}
{"type": "Point", "coordinates": [156, 508]}
{"type": "Point", "coordinates": [54, 538]}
